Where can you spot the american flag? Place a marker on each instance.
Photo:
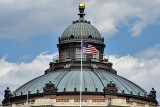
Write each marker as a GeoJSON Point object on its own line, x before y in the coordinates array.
{"type": "Point", "coordinates": [89, 49]}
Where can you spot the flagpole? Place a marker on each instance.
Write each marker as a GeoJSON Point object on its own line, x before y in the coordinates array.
{"type": "Point", "coordinates": [27, 99]}
{"type": "Point", "coordinates": [81, 74]}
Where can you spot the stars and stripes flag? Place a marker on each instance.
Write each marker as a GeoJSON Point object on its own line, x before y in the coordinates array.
{"type": "Point", "coordinates": [89, 49]}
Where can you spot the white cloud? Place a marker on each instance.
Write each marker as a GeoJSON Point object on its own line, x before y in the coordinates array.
{"type": "Point", "coordinates": [24, 18]}
{"type": "Point", "coordinates": [20, 19]}
{"type": "Point", "coordinates": [150, 53]}
{"type": "Point", "coordinates": [112, 14]}
{"type": "Point", "coordinates": [7, 1]}
{"type": "Point", "coordinates": [142, 68]}
{"type": "Point", "coordinates": [13, 75]}
{"type": "Point", "coordinates": [144, 72]}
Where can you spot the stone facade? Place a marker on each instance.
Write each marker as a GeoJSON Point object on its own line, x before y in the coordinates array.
{"type": "Point", "coordinates": [96, 102]}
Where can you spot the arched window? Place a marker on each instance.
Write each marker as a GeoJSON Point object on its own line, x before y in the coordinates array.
{"type": "Point", "coordinates": [96, 56]}
{"type": "Point", "coordinates": [89, 36]}
{"type": "Point", "coordinates": [71, 36]}
{"type": "Point", "coordinates": [78, 54]}
{"type": "Point", "coordinates": [66, 53]}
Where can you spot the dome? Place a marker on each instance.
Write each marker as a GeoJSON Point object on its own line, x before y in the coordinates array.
{"type": "Point", "coordinates": [64, 83]}
{"type": "Point", "coordinates": [69, 80]}
{"type": "Point", "coordinates": [81, 29]}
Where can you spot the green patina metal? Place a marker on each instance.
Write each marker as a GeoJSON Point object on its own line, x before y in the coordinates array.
{"type": "Point", "coordinates": [71, 80]}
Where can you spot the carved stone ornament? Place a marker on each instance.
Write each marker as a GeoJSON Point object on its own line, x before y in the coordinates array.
{"type": "Point", "coordinates": [49, 88]}
{"type": "Point", "coordinates": [110, 88]}
{"type": "Point", "coordinates": [152, 94]}
{"type": "Point", "coordinates": [8, 93]}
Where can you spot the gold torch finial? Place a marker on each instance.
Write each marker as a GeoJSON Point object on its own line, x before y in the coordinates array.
{"type": "Point", "coordinates": [81, 4]}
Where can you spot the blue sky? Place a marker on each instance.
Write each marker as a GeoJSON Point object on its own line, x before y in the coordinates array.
{"type": "Point", "coordinates": [121, 43]}
{"type": "Point", "coordinates": [29, 31]}
{"type": "Point", "coordinates": [26, 51]}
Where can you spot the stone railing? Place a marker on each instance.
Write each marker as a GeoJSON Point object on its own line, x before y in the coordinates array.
{"type": "Point", "coordinates": [76, 39]}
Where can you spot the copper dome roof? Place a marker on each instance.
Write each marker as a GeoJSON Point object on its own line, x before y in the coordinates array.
{"type": "Point", "coordinates": [69, 80]}
{"type": "Point", "coordinates": [81, 29]}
